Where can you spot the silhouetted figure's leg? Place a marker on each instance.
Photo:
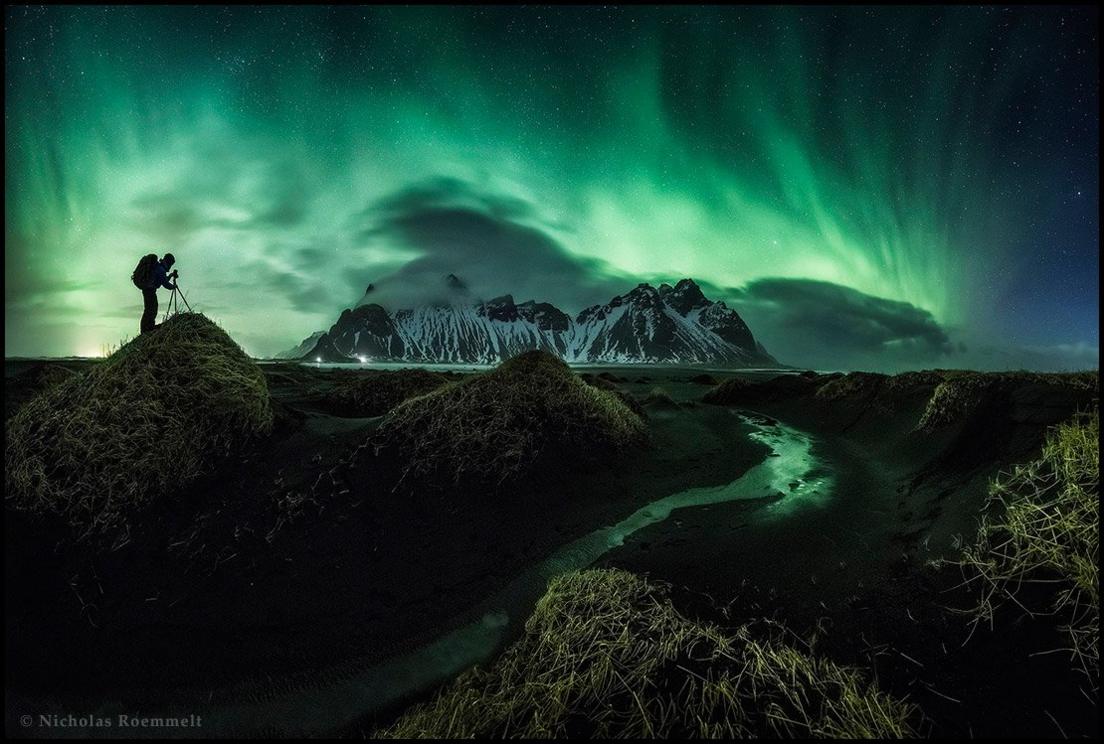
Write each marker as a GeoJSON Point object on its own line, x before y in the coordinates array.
{"type": "Point", "coordinates": [149, 317]}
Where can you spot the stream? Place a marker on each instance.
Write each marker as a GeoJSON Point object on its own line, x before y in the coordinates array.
{"type": "Point", "coordinates": [790, 478]}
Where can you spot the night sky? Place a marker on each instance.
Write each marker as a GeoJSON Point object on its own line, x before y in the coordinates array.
{"type": "Point", "coordinates": [874, 188]}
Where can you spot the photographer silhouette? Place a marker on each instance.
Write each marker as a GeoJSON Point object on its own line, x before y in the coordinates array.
{"type": "Point", "coordinates": [149, 275]}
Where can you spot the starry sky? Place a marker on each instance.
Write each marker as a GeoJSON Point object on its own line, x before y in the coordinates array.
{"type": "Point", "coordinates": [876, 188]}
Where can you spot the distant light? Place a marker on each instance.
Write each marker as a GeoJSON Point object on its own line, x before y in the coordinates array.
{"type": "Point", "coordinates": [318, 359]}
{"type": "Point", "coordinates": [363, 359]}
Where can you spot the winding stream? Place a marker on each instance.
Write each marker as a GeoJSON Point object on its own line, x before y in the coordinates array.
{"type": "Point", "coordinates": [789, 478]}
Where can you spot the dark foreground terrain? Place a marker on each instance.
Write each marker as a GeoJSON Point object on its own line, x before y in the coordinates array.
{"type": "Point", "coordinates": [278, 590]}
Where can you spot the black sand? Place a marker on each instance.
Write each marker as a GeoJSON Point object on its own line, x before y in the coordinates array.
{"type": "Point", "coordinates": [279, 577]}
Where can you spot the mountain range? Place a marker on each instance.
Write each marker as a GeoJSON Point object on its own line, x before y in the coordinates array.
{"type": "Point", "coordinates": [653, 325]}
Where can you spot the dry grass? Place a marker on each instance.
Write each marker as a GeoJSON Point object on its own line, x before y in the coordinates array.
{"type": "Point", "coordinates": [21, 388]}
{"type": "Point", "coordinates": [137, 426]}
{"type": "Point", "coordinates": [961, 393]}
{"type": "Point", "coordinates": [852, 385]}
{"type": "Point", "coordinates": [606, 655]}
{"type": "Point", "coordinates": [1043, 539]}
{"type": "Point", "coordinates": [609, 383]}
{"type": "Point", "coordinates": [375, 392]}
{"type": "Point", "coordinates": [955, 399]}
{"type": "Point", "coordinates": [528, 413]}
{"type": "Point", "coordinates": [907, 381]}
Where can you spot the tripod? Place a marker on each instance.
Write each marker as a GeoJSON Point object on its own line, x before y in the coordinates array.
{"type": "Point", "coordinates": [175, 299]}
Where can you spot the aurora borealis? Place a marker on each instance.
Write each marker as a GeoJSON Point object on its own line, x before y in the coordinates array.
{"type": "Point", "coordinates": [869, 187]}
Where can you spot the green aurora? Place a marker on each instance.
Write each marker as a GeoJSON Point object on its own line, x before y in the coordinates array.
{"type": "Point", "coordinates": [941, 163]}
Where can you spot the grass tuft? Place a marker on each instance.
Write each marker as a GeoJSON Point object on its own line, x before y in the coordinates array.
{"type": "Point", "coordinates": [528, 413]}
{"type": "Point", "coordinates": [137, 426]}
{"type": "Point", "coordinates": [1038, 545]}
{"type": "Point", "coordinates": [375, 392]}
{"type": "Point", "coordinates": [606, 655]}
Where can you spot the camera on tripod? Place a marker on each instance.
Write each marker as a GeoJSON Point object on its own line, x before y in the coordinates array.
{"type": "Point", "coordinates": [176, 297]}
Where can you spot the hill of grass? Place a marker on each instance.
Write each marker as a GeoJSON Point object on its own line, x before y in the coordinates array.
{"type": "Point", "coordinates": [606, 655]}
{"type": "Point", "coordinates": [137, 427]}
{"type": "Point", "coordinates": [529, 413]}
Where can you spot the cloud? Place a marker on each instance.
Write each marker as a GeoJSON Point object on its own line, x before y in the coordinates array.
{"type": "Point", "coordinates": [496, 244]}
{"type": "Point", "coordinates": [303, 291]}
{"type": "Point", "coordinates": [435, 192]}
{"type": "Point", "coordinates": [217, 191]}
{"type": "Point", "coordinates": [820, 324]}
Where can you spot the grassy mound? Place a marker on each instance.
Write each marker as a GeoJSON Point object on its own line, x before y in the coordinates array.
{"type": "Point", "coordinates": [852, 385]}
{"type": "Point", "coordinates": [732, 390]}
{"type": "Point", "coordinates": [136, 427]}
{"type": "Point", "coordinates": [25, 386]}
{"type": "Point", "coordinates": [955, 399]}
{"type": "Point", "coordinates": [605, 655]}
{"type": "Point", "coordinates": [907, 381]}
{"type": "Point", "coordinates": [960, 394]}
{"type": "Point", "coordinates": [529, 413]}
{"type": "Point", "coordinates": [1043, 539]}
{"type": "Point", "coordinates": [735, 390]}
{"type": "Point", "coordinates": [657, 397]}
{"type": "Point", "coordinates": [608, 382]}
{"type": "Point", "coordinates": [374, 393]}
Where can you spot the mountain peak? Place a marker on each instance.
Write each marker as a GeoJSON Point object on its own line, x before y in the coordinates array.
{"type": "Point", "coordinates": [500, 308]}
{"type": "Point", "coordinates": [643, 295]}
{"type": "Point", "coordinates": [686, 296]}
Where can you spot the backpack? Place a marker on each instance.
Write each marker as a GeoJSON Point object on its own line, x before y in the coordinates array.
{"type": "Point", "coordinates": [143, 272]}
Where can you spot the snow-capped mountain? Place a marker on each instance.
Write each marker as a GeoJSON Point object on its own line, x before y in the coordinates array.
{"type": "Point", "coordinates": [668, 325]}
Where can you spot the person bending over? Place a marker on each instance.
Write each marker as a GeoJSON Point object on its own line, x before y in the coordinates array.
{"type": "Point", "coordinates": [149, 277]}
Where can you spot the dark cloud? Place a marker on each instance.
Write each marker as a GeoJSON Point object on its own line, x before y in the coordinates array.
{"type": "Point", "coordinates": [310, 258]}
{"type": "Point", "coordinates": [437, 192]}
{"type": "Point", "coordinates": [495, 244]}
{"type": "Point", "coordinates": [819, 324]}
